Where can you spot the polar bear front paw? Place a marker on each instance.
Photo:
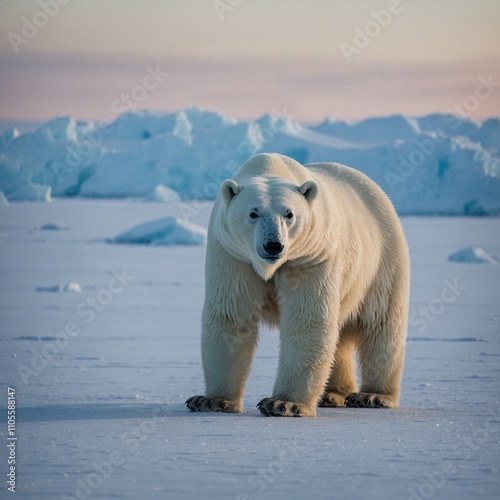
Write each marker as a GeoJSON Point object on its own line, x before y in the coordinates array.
{"type": "Point", "coordinates": [271, 407]}
{"type": "Point", "coordinates": [369, 400]}
{"type": "Point", "coordinates": [204, 403]}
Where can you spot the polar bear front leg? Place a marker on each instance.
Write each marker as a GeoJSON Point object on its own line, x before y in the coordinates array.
{"type": "Point", "coordinates": [308, 336]}
{"type": "Point", "coordinates": [229, 334]}
{"type": "Point", "coordinates": [305, 361]}
{"type": "Point", "coordinates": [227, 352]}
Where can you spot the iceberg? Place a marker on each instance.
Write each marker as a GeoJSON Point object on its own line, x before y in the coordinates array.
{"type": "Point", "coordinates": [472, 254]}
{"type": "Point", "coordinates": [166, 231]}
{"type": "Point", "coordinates": [71, 287]}
{"type": "Point", "coordinates": [31, 192]}
{"type": "Point", "coordinates": [162, 194]}
{"type": "Point", "coordinates": [440, 164]}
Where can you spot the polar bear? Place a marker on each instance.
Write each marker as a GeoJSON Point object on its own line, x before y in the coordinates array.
{"type": "Point", "coordinates": [319, 252]}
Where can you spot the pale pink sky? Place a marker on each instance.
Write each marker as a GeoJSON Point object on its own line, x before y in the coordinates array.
{"type": "Point", "coordinates": [263, 56]}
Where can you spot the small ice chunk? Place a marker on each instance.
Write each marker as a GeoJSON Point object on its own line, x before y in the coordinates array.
{"type": "Point", "coordinates": [166, 231]}
{"type": "Point", "coordinates": [472, 254]}
{"type": "Point", "coordinates": [71, 287]}
{"type": "Point", "coordinates": [50, 227]}
{"type": "Point", "coordinates": [163, 194]}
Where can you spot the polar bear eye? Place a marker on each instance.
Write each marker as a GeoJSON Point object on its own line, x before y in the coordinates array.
{"type": "Point", "coordinates": [289, 215]}
{"type": "Point", "coordinates": [254, 215]}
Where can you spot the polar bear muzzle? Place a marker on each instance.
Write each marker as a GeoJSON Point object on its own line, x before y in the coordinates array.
{"type": "Point", "coordinates": [270, 236]}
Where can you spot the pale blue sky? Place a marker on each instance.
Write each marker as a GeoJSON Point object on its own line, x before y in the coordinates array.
{"type": "Point", "coordinates": [265, 55]}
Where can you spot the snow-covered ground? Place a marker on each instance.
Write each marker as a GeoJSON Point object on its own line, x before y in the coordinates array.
{"type": "Point", "coordinates": [101, 342]}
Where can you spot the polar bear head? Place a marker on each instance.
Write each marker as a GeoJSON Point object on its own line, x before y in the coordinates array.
{"type": "Point", "coordinates": [266, 217]}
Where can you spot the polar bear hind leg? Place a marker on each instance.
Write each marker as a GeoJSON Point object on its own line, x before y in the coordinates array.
{"type": "Point", "coordinates": [381, 351]}
{"type": "Point", "coordinates": [342, 381]}
{"type": "Point", "coordinates": [380, 372]}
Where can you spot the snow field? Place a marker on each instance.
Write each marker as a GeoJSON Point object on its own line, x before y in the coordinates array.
{"type": "Point", "coordinates": [101, 376]}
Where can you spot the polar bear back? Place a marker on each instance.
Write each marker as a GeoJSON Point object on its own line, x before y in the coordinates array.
{"type": "Point", "coordinates": [359, 194]}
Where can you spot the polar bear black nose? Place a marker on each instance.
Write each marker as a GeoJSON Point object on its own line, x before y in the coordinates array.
{"type": "Point", "coordinates": [273, 247]}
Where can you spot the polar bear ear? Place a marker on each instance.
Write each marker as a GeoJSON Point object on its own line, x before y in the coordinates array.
{"type": "Point", "coordinates": [309, 189]}
{"type": "Point", "coordinates": [229, 189]}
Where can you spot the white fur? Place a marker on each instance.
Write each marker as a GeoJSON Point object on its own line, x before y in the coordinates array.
{"type": "Point", "coordinates": [340, 285]}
